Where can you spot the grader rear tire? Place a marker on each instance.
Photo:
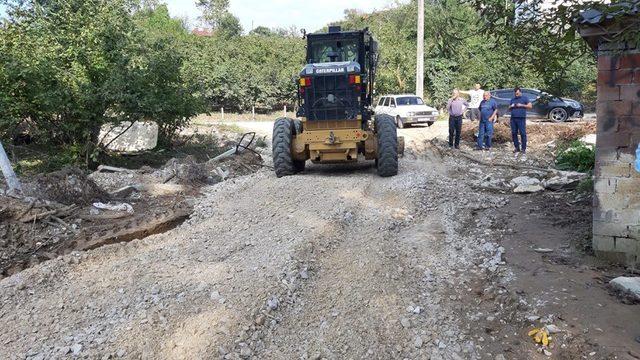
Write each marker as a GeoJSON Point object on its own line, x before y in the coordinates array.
{"type": "Point", "coordinates": [386, 132]}
{"type": "Point", "coordinates": [282, 136]}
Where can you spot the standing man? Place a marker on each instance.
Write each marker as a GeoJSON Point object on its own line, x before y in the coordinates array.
{"type": "Point", "coordinates": [488, 115]}
{"type": "Point", "coordinates": [474, 104]}
{"type": "Point", "coordinates": [519, 106]}
{"type": "Point", "coordinates": [456, 107]}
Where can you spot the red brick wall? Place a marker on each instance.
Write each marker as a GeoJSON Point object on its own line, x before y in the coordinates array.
{"type": "Point", "coordinates": [616, 225]}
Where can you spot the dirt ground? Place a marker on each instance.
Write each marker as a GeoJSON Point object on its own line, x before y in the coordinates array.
{"type": "Point", "coordinates": [438, 262]}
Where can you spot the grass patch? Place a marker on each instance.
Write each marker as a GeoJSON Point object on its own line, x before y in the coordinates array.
{"type": "Point", "coordinates": [576, 156]}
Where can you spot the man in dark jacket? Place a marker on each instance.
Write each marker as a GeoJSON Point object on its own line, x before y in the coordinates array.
{"type": "Point", "coordinates": [488, 115]}
{"type": "Point", "coordinates": [519, 106]}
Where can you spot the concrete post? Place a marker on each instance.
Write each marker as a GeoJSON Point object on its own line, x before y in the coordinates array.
{"type": "Point", "coordinates": [7, 171]}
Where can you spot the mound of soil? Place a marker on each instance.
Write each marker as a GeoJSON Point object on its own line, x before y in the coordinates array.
{"type": "Point", "coordinates": [69, 186]}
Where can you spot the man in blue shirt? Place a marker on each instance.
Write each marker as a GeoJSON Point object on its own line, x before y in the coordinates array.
{"type": "Point", "coordinates": [488, 115]}
{"type": "Point", "coordinates": [519, 106]}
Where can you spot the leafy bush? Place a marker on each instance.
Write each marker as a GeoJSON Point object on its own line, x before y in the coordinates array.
{"type": "Point", "coordinates": [576, 157]}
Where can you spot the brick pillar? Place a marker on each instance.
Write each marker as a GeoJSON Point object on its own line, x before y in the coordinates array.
{"type": "Point", "coordinates": [616, 219]}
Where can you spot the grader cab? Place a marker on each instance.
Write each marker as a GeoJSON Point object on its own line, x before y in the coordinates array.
{"type": "Point", "coordinates": [335, 122]}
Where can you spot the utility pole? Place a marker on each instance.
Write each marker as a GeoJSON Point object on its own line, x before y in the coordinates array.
{"type": "Point", "coordinates": [7, 171]}
{"type": "Point", "coordinates": [420, 55]}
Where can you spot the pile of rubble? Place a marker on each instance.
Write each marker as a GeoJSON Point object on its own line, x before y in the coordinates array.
{"type": "Point", "coordinates": [67, 210]}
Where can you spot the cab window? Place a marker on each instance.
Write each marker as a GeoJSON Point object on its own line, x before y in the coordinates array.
{"type": "Point", "coordinates": [381, 101]}
{"type": "Point", "coordinates": [386, 101]}
{"type": "Point", "coordinates": [323, 51]}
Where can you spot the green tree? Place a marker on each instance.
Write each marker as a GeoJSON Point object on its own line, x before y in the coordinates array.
{"type": "Point", "coordinates": [70, 66]}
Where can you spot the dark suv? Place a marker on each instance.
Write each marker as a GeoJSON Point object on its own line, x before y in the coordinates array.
{"type": "Point", "coordinates": [545, 105]}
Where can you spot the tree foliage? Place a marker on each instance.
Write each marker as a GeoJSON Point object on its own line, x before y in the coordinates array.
{"type": "Point", "coordinates": [69, 66]}
{"type": "Point", "coordinates": [462, 47]}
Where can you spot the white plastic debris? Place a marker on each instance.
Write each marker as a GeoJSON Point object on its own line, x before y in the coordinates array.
{"type": "Point", "coordinates": [114, 207]}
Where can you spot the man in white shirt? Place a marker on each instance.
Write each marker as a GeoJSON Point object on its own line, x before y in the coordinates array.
{"type": "Point", "coordinates": [474, 104]}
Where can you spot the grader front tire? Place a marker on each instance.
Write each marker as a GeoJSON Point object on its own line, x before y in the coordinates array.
{"type": "Point", "coordinates": [387, 135]}
{"type": "Point", "coordinates": [282, 158]}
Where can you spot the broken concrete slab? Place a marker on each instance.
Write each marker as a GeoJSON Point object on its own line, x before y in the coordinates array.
{"type": "Point", "coordinates": [629, 285]}
{"type": "Point", "coordinates": [564, 180]}
{"type": "Point", "coordinates": [130, 138]}
{"type": "Point", "coordinates": [524, 181]}
{"type": "Point", "coordinates": [528, 189]}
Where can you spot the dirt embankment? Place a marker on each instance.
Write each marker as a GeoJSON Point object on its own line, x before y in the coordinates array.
{"type": "Point", "coordinates": [537, 133]}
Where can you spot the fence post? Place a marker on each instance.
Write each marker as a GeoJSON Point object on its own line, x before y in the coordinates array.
{"type": "Point", "coordinates": [222, 112]}
{"type": "Point", "coordinates": [285, 111]}
{"type": "Point", "coordinates": [253, 113]}
{"type": "Point", "coordinates": [7, 172]}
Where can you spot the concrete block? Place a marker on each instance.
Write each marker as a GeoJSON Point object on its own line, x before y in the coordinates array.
{"type": "Point", "coordinates": [628, 217]}
{"type": "Point", "coordinates": [617, 257]}
{"type": "Point", "coordinates": [615, 77]}
{"type": "Point", "coordinates": [612, 141]}
{"type": "Point", "coordinates": [628, 185]}
{"type": "Point", "coordinates": [608, 93]}
{"type": "Point", "coordinates": [605, 154]}
{"type": "Point", "coordinates": [612, 201]}
{"type": "Point", "coordinates": [608, 62]}
{"type": "Point", "coordinates": [614, 169]}
{"type": "Point", "coordinates": [603, 243]}
{"type": "Point", "coordinates": [629, 124]}
{"type": "Point", "coordinates": [614, 108]}
{"type": "Point", "coordinates": [626, 245]}
{"type": "Point", "coordinates": [628, 92]}
{"type": "Point", "coordinates": [605, 185]}
{"type": "Point", "coordinates": [629, 61]}
{"type": "Point", "coordinates": [605, 228]}
{"type": "Point", "coordinates": [137, 137]}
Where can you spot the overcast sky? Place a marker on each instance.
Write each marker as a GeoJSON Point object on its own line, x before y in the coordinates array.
{"type": "Point", "coordinates": [308, 14]}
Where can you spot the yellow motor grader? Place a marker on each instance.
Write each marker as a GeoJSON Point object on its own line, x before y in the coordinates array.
{"type": "Point", "coordinates": [335, 121]}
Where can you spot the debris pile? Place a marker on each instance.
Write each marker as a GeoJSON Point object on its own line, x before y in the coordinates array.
{"type": "Point", "coordinates": [67, 186]}
{"type": "Point", "coordinates": [69, 210]}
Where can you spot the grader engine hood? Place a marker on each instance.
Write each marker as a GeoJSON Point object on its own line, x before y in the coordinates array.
{"type": "Point", "coordinates": [331, 91]}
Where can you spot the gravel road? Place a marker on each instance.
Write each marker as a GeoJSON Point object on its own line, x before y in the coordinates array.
{"type": "Point", "coordinates": [334, 263]}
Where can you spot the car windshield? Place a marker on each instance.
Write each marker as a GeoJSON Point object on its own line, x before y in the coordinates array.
{"type": "Point", "coordinates": [323, 51]}
{"type": "Point", "coordinates": [409, 100]}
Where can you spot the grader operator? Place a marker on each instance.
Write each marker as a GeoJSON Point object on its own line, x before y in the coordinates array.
{"type": "Point", "coordinates": [335, 122]}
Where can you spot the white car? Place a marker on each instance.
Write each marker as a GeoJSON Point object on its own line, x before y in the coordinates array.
{"type": "Point", "coordinates": [406, 110]}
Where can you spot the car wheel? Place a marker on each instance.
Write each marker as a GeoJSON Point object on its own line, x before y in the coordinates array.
{"type": "Point", "coordinates": [558, 115]}
{"type": "Point", "coordinates": [399, 122]}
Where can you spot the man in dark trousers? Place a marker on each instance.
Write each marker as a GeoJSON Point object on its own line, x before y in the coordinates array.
{"type": "Point", "coordinates": [488, 115]}
{"type": "Point", "coordinates": [519, 106]}
{"type": "Point", "coordinates": [456, 107]}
